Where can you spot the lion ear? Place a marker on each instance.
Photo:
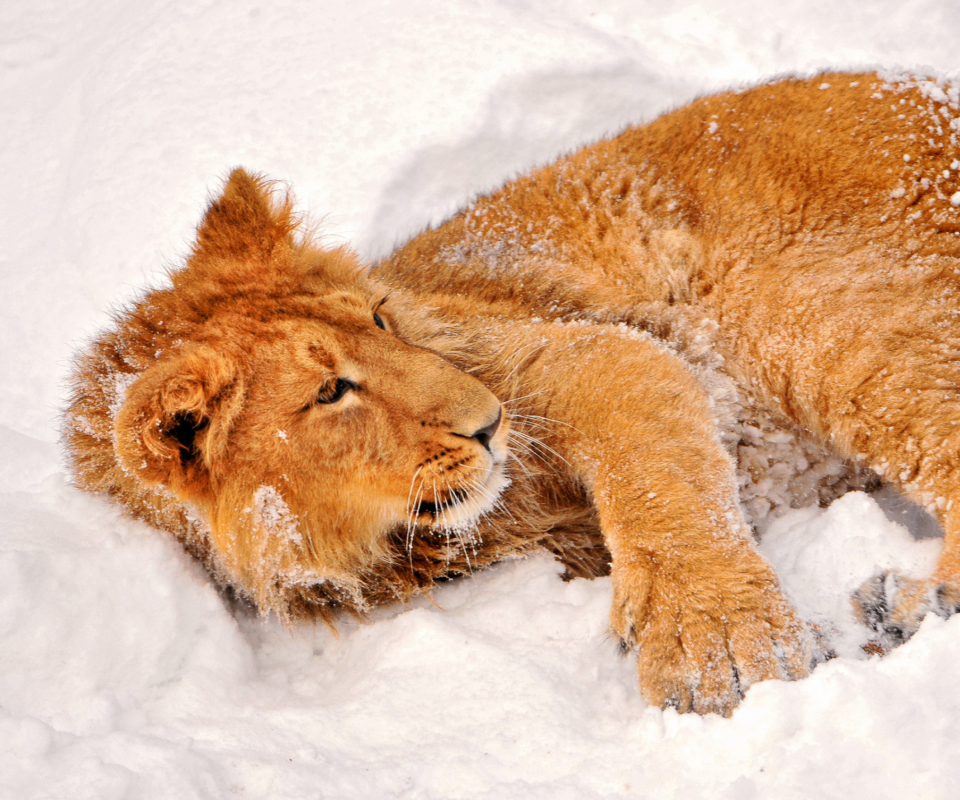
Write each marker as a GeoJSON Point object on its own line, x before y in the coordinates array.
{"type": "Point", "coordinates": [244, 225]}
{"type": "Point", "coordinates": [175, 419]}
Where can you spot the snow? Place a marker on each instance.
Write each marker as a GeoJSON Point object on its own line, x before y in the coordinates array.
{"type": "Point", "coordinates": [272, 515]}
{"type": "Point", "coordinates": [123, 674]}
{"type": "Point", "coordinates": [824, 555]}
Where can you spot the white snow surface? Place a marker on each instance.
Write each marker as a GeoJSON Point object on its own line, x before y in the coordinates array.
{"type": "Point", "coordinates": [123, 674]}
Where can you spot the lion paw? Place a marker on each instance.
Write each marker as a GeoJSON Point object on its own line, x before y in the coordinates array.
{"type": "Point", "coordinates": [894, 605]}
{"type": "Point", "coordinates": [700, 647]}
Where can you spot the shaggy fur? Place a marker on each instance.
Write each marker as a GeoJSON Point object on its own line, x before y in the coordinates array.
{"type": "Point", "coordinates": [626, 358]}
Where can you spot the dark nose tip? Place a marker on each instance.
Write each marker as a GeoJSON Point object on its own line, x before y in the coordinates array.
{"type": "Point", "coordinates": [486, 433]}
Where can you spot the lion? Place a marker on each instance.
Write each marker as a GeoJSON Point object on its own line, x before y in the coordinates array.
{"type": "Point", "coordinates": [633, 358]}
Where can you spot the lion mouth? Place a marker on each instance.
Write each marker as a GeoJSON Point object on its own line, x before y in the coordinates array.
{"type": "Point", "coordinates": [436, 508]}
{"type": "Point", "coordinates": [462, 507]}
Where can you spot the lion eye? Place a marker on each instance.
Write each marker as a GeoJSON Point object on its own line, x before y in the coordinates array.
{"type": "Point", "coordinates": [379, 322]}
{"type": "Point", "coordinates": [333, 392]}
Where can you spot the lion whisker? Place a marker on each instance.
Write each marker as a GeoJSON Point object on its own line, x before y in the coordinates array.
{"type": "Point", "coordinates": [496, 501]}
{"type": "Point", "coordinates": [520, 462]}
{"type": "Point", "coordinates": [413, 480]}
{"type": "Point", "coordinates": [455, 502]}
{"type": "Point", "coordinates": [540, 421]}
{"type": "Point", "coordinates": [411, 516]}
{"type": "Point", "coordinates": [521, 359]}
{"type": "Point", "coordinates": [522, 397]}
{"type": "Point", "coordinates": [519, 447]}
{"type": "Point", "coordinates": [534, 442]}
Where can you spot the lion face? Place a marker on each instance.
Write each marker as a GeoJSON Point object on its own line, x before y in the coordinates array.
{"type": "Point", "coordinates": [363, 430]}
{"type": "Point", "coordinates": [298, 420]}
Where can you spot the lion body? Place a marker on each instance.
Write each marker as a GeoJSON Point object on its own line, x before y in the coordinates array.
{"type": "Point", "coordinates": [748, 304]}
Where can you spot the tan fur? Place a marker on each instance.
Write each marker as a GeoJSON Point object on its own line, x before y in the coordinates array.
{"type": "Point", "coordinates": [752, 298]}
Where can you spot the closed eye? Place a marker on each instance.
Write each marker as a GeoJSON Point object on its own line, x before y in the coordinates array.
{"type": "Point", "coordinates": [379, 322]}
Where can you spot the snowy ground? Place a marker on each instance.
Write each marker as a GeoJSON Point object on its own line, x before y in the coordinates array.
{"type": "Point", "coordinates": [124, 675]}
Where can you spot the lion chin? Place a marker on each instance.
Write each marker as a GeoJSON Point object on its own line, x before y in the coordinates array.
{"type": "Point", "coordinates": [464, 508]}
{"type": "Point", "coordinates": [633, 358]}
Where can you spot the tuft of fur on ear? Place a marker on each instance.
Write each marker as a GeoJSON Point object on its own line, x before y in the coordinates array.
{"type": "Point", "coordinates": [245, 225]}
{"type": "Point", "coordinates": [175, 420]}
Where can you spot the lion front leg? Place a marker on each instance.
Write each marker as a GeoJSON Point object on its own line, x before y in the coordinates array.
{"type": "Point", "coordinates": [693, 597]}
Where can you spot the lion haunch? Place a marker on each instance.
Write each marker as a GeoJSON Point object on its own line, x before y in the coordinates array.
{"type": "Point", "coordinates": [627, 358]}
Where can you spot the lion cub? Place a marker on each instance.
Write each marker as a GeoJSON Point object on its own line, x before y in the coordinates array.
{"type": "Point", "coordinates": [627, 358]}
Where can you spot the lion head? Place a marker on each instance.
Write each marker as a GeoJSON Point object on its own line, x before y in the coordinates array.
{"type": "Point", "coordinates": [282, 393]}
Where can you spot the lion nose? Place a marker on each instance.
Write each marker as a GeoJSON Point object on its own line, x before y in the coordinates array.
{"type": "Point", "coordinates": [486, 433]}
